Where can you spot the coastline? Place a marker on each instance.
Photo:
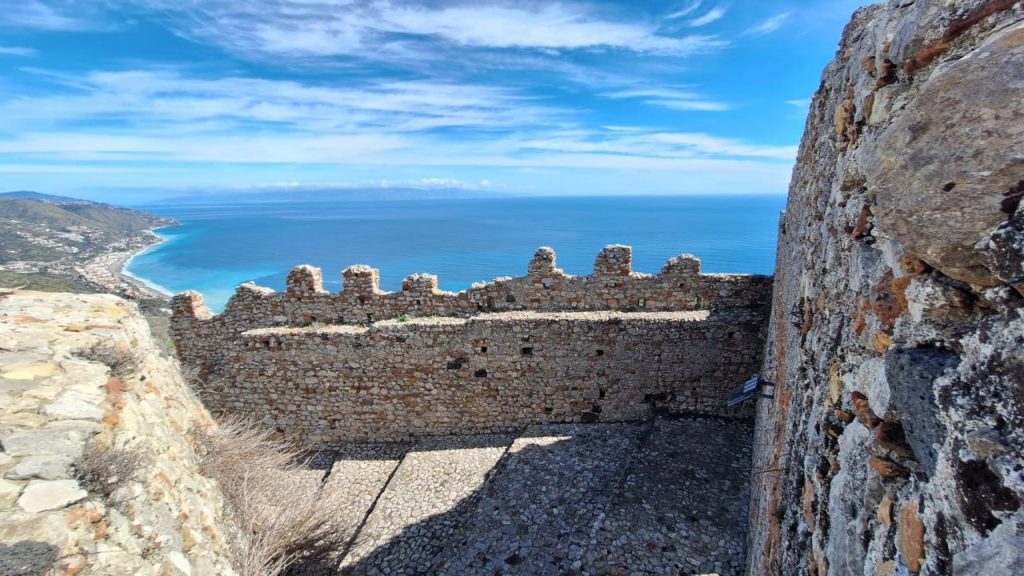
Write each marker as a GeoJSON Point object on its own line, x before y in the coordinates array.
{"type": "Point", "coordinates": [108, 271]}
{"type": "Point", "coordinates": [119, 269]}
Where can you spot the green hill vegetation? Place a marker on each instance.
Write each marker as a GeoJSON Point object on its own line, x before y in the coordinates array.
{"type": "Point", "coordinates": [102, 217]}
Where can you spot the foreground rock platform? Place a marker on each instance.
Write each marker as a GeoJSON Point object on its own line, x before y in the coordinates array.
{"type": "Point", "coordinates": [60, 399]}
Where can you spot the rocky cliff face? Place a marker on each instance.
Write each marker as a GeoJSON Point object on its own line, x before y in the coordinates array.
{"type": "Point", "coordinates": [97, 471]}
{"type": "Point", "coordinates": [895, 439]}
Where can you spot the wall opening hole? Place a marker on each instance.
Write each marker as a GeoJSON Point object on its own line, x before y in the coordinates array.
{"type": "Point", "coordinates": [510, 298]}
{"type": "Point", "coordinates": [527, 351]}
{"type": "Point", "coordinates": [483, 349]}
{"type": "Point", "coordinates": [949, 186]}
{"type": "Point", "coordinates": [599, 352]}
{"type": "Point", "coordinates": [481, 373]}
{"type": "Point", "coordinates": [455, 364]}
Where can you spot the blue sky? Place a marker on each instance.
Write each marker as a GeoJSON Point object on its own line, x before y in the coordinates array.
{"type": "Point", "coordinates": [137, 98]}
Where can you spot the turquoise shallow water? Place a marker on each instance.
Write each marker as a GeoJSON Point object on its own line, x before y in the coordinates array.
{"type": "Point", "coordinates": [217, 247]}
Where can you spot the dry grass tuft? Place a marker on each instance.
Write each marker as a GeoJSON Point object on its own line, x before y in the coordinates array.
{"type": "Point", "coordinates": [192, 376]}
{"type": "Point", "coordinates": [102, 470]}
{"type": "Point", "coordinates": [123, 361]}
{"type": "Point", "coordinates": [282, 522]}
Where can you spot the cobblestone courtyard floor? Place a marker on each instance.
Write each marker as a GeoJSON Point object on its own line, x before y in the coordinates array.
{"type": "Point", "coordinates": [663, 497]}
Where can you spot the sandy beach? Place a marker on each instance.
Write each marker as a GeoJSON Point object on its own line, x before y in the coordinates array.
{"type": "Point", "coordinates": [108, 271]}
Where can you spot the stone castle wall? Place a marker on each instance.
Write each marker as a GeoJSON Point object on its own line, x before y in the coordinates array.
{"type": "Point", "coordinates": [367, 365]}
{"type": "Point", "coordinates": [894, 443]}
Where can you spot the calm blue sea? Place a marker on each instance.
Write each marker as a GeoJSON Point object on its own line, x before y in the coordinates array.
{"type": "Point", "coordinates": [217, 247]}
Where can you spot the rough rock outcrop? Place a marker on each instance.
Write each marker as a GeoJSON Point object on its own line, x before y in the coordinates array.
{"type": "Point", "coordinates": [97, 473]}
{"type": "Point", "coordinates": [895, 439]}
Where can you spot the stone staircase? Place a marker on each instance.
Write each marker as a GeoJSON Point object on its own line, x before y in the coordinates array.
{"type": "Point", "coordinates": [668, 496]}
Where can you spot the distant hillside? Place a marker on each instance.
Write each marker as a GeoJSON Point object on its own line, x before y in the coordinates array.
{"type": "Point", "coordinates": [28, 194]}
{"type": "Point", "coordinates": [55, 243]}
{"type": "Point", "coordinates": [59, 212]}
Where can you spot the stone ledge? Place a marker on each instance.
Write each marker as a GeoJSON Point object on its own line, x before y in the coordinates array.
{"type": "Point", "coordinates": [522, 316]}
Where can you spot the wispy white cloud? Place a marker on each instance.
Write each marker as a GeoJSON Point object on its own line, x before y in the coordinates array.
{"type": "Point", "coordinates": [162, 97]}
{"type": "Point", "coordinates": [674, 99]}
{"type": "Point", "coordinates": [435, 184]}
{"type": "Point", "coordinates": [685, 10]}
{"type": "Point", "coordinates": [664, 150]}
{"type": "Point", "coordinates": [304, 28]}
{"type": "Point", "coordinates": [800, 102]}
{"type": "Point", "coordinates": [713, 145]}
{"type": "Point", "coordinates": [646, 143]}
{"type": "Point", "coordinates": [37, 15]}
{"type": "Point", "coordinates": [770, 25]}
{"type": "Point", "coordinates": [17, 51]}
{"type": "Point", "coordinates": [430, 183]}
{"type": "Point", "coordinates": [713, 15]}
{"type": "Point", "coordinates": [166, 115]}
{"type": "Point", "coordinates": [64, 169]}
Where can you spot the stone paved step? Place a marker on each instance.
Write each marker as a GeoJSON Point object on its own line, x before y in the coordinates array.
{"type": "Point", "coordinates": [347, 481]}
{"type": "Point", "coordinates": [683, 506]}
{"type": "Point", "coordinates": [535, 515]}
{"type": "Point", "coordinates": [414, 519]}
{"type": "Point", "coordinates": [358, 477]}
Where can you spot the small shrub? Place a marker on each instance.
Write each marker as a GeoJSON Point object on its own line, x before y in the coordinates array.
{"type": "Point", "coordinates": [281, 524]}
{"type": "Point", "coordinates": [102, 470]}
{"type": "Point", "coordinates": [123, 362]}
{"type": "Point", "coordinates": [403, 317]}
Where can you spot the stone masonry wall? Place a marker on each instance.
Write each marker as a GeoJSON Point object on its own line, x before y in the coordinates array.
{"type": "Point", "coordinates": [366, 365]}
{"type": "Point", "coordinates": [895, 440]}
{"type": "Point", "coordinates": [490, 373]}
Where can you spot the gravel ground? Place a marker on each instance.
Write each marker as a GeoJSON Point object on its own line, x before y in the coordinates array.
{"type": "Point", "coordinates": [683, 507]}
{"type": "Point", "coordinates": [415, 517]}
{"type": "Point", "coordinates": [662, 497]}
{"type": "Point", "coordinates": [535, 516]}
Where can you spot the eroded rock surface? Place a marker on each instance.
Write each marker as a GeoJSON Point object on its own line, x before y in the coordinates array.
{"type": "Point", "coordinates": [59, 401]}
{"type": "Point", "coordinates": [895, 439]}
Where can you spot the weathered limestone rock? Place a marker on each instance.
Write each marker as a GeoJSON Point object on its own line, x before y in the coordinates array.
{"type": "Point", "coordinates": [911, 538]}
{"type": "Point", "coordinates": [46, 467]}
{"type": "Point", "coordinates": [898, 301]}
{"type": "Point", "coordinates": [42, 495]}
{"type": "Point", "coordinates": [163, 517]}
{"type": "Point", "coordinates": [940, 171]}
{"type": "Point", "coordinates": [9, 492]}
{"type": "Point", "coordinates": [54, 441]}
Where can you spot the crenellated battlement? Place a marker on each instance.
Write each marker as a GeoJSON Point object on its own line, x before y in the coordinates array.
{"type": "Point", "coordinates": [613, 286]}
{"type": "Point", "coordinates": [365, 364]}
